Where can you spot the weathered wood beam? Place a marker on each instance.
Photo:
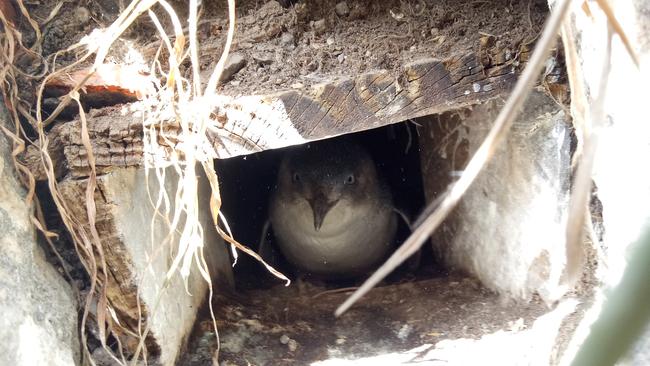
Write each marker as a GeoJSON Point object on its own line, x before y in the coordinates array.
{"type": "Point", "coordinates": [255, 123]}
{"type": "Point", "coordinates": [138, 255]}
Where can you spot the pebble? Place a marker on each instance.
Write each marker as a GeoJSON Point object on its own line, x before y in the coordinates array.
{"type": "Point", "coordinates": [273, 30]}
{"type": "Point", "coordinates": [404, 332]}
{"type": "Point", "coordinates": [293, 345]}
{"type": "Point", "coordinates": [397, 15]}
{"type": "Point", "coordinates": [359, 11]}
{"type": "Point", "coordinates": [235, 62]}
{"type": "Point", "coordinates": [342, 9]}
{"type": "Point", "coordinates": [82, 15]}
{"type": "Point", "coordinates": [287, 39]}
{"type": "Point", "coordinates": [320, 26]}
{"type": "Point", "coordinates": [330, 41]}
{"type": "Point", "coordinates": [302, 11]}
{"type": "Point", "coordinates": [284, 339]}
{"type": "Point", "coordinates": [263, 58]}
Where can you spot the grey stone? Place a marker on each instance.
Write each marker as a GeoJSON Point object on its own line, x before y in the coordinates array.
{"type": "Point", "coordinates": [623, 144]}
{"type": "Point", "coordinates": [235, 62]}
{"type": "Point", "coordinates": [263, 58]}
{"type": "Point", "coordinates": [319, 26]}
{"type": "Point", "coordinates": [38, 313]}
{"type": "Point", "coordinates": [342, 9]}
{"type": "Point", "coordinates": [287, 39]}
{"type": "Point", "coordinates": [508, 230]}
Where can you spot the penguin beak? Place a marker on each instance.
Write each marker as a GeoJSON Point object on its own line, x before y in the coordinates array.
{"type": "Point", "coordinates": [320, 206]}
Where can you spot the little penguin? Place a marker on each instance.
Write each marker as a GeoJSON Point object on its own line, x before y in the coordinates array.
{"type": "Point", "coordinates": [331, 212]}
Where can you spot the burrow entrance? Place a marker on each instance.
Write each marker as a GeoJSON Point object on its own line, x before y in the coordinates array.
{"type": "Point", "coordinates": [433, 314]}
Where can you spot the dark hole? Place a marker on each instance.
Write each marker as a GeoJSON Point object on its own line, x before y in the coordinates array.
{"type": "Point", "coordinates": [247, 182]}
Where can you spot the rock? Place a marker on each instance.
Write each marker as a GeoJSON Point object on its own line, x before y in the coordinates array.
{"type": "Point", "coordinates": [82, 15]}
{"type": "Point", "coordinates": [234, 63]}
{"type": "Point", "coordinates": [263, 58]}
{"type": "Point", "coordinates": [302, 11]}
{"type": "Point", "coordinates": [358, 11]}
{"type": "Point", "coordinates": [319, 26]}
{"type": "Point", "coordinates": [342, 9]}
{"type": "Point", "coordinates": [292, 345]}
{"type": "Point", "coordinates": [287, 39]}
{"type": "Point", "coordinates": [273, 30]}
{"type": "Point", "coordinates": [397, 15]}
{"type": "Point", "coordinates": [38, 311]}
{"type": "Point", "coordinates": [272, 8]}
{"type": "Point", "coordinates": [507, 228]}
{"type": "Point", "coordinates": [623, 144]}
{"type": "Point", "coordinates": [624, 136]}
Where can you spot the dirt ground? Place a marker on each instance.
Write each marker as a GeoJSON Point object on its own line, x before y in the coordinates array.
{"type": "Point", "coordinates": [315, 41]}
{"type": "Point", "coordinates": [429, 321]}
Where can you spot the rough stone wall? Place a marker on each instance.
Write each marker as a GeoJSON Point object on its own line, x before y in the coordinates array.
{"type": "Point", "coordinates": [620, 168]}
{"type": "Point", "coordinates": [508, 230]}
{"type": "Point", "coordinates": [38, 312]}
{"type": "Point", "coordinates": [624, 136]}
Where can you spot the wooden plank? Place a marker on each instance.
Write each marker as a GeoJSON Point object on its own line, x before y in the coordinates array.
{"type": "Point", "coordinates": [136, 269]}
{"type": "Point", "coordinates": [254, 123]}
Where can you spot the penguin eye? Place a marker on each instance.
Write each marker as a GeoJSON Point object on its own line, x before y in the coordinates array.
{"type": "Point", "coordinates": [350, 179]}
{"type": "Point", "coordinates": [296, 177]}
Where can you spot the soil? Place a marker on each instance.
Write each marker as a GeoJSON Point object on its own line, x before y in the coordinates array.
{"type": "Point", "coordinates": [295, 325]}
{"type": "Point", "coordinates": [310, 42]}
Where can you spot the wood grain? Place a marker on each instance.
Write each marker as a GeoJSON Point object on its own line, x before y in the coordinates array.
{"type": "Point", "coordinates": [250, 124]}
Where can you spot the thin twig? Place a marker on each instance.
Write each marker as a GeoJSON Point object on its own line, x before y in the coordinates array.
{"type": "Point", "coordinates": [611, 18]}
{"type": "Point", "coordinates": [218, 70]}
{"type": "Point", "coordinates": [579, 203]}
{"type": "Point", "coordinates": [334, 291]}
